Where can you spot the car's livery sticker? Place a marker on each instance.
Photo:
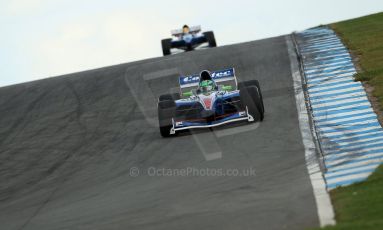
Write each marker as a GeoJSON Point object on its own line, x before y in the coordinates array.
{"type": "Point", "coordinates": [216, 75]}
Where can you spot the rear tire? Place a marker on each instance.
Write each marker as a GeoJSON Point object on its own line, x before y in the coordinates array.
{"type": "Point", "coordinates": [252, 83]}
{"type": "Point", "coordinates": [250, 98]}
{"type": "Point", "coordinates": [166, 46]}
{"type": "Point", "coordinates": [209, 35]}
{"type": "Point", "coordinates": [166, 113]}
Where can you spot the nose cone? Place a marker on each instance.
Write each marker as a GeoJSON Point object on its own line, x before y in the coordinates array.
{"type": "Point", "coordinates": [207, 113]}
{"type": "Point", "coordinates": [188, 38]}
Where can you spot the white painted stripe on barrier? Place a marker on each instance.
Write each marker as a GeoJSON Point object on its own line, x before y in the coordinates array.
{"type": "Point", "coordinates": [345, 113]}
{"type": "Point", "coordinates": [361, 138]}
{"type": "Point", "coordinates": [330, 86]}
{"type": "Point", "coordinates": [310, 63]}
{"type": "Point", "coordinates": [350, 70]}
{"type": "Point", "coordinates": [329, 80]}
{"type": "Point", "coordinates": [334, 77]}
{"type": "Point", "coordinates": [352, 136]}
{"type": "Point", "coordinates": [315, 34]}
{"type": "Point", "coordinates": [325, 67]}
{"type": "Point", "coordinates": [350, 124]}
{"type": "Point", "coordinates": [324, 207]}
{"type": "Point", "coordinates": [348, 121]}
{"type": "Point", "coordinates": [324, 51]}
{"type": "Point", "coordinates": [365, 152]}
{"type": "Point", "coordinates": [340, 107]}
{"type": "Point", "coordinates": [352, 170]}
{"type": "Point", "coordinates": [353, 118]}
{"type": "Point", "coordinates": [318, 40]}
{"type": "Point", "coordinates": [332, 62]}
{"type": "Point", "coordinates": [333, 92]}
{"type": "Point", "coordinates": [336, 91]}
{"type": "Point", "coordinates": [340, 115]}
{"type": "Point", "coordinates": [348, 131]}
{"type": "Point", "coordinates": [354, 164]}
{"type": "Point", "coordinates": [322, 45]}
{"type": "Point", "coordinates": [345, 159]}
{"type": "Point", "coordinates": [325, 104]}
{"type": "Point", "coordinates": [335, 148]}
{"type": "Point", "coordinates": [360, 149]}
{"type": "Point", "coordinates": [329, 130]}
{"type": "Point", "coordinates": [328, 65]}
{"type": "Point", "coordinates": [331, 145]}
{"type": "Point", "coordinates": [335, 72]}
{"type": "Point", "coordinates": [326, 88]}
{"type": "Point", "coordinates": [359, 134]}
{"type": "Point", "coordinates": [315, 61]}
{"type": "Point", "coordinates": [349, 177]}
{"type": "Point", "coordinates": [331, 56]}
{"type": "Point", "coordinates": [339, 97]}
{"type": "Point", "coordinates": [344, 127]}
{"type": "Point", "coordinates": [353, 158]}
{"type": "Point", "coordinates": [345, 119]}
{"type": "Point", "coordinates": [337, 105]}
{"type": "Point", "coordinates": [321, 50]}
{"type": "Point", "coordinates": [321, 40]}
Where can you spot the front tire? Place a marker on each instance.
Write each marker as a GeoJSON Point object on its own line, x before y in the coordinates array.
{"type": "Point", "coordinates": [166, 113]}
{"type": "Point", "coordinates": [209, 35]}
{"type": "Point", "coordinates": [250, 98]}
{"type": "Point", "coordinates": [253, 83]}
{"type": "Point", "coordinates": [166, 46]}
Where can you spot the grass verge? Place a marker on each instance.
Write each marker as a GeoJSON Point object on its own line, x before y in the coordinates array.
{"type": "Point", "coordinates": [359, 206]}
{"type": "Point", "coordinates": [364, 37]}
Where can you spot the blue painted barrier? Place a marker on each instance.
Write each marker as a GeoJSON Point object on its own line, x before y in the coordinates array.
{"type": "Point", "coordinates": [348, 130]}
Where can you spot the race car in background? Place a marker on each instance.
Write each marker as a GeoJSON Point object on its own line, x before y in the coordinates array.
{"type": "Point", "coordinates": [209, 100]}
{"type": "Point", "coordinates": [187, 39]}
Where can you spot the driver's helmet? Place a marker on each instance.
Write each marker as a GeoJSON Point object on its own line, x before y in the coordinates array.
{"type": "Point", "coordinates": [206, 86]}
{"type": "Point", "coordinates": [185, 29]}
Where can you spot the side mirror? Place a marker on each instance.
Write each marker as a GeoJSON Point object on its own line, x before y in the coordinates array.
{"type": "Point", "coordinates": [227, 87]}
{"type": "Point", "coordinates": [187, 94]}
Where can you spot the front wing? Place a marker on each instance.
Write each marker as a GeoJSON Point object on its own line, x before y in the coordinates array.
{"type": "Point", "coordinates": [190, 124]}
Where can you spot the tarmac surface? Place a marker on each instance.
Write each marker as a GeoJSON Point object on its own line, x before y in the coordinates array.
{"type": "Point", "coordinates": [83, 151]}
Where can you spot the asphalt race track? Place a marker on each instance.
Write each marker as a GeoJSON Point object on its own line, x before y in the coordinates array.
{"type": "Point", "coordinates": [71, 148]}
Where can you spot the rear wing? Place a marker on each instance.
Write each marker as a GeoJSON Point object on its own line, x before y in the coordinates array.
{"type": "Point", "coordinates": [221, 77]}
{"type": "Point", "coordinates": [193, 30]}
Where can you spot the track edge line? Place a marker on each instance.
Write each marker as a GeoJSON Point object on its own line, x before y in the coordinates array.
{"type": "Point", "coordinates": [324, 206]}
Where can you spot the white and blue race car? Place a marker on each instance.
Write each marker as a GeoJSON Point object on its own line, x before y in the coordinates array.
{"type": "Point", "coordinates": [209, 99]}
{"type": "Point", "coordinates": [187, 39]}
